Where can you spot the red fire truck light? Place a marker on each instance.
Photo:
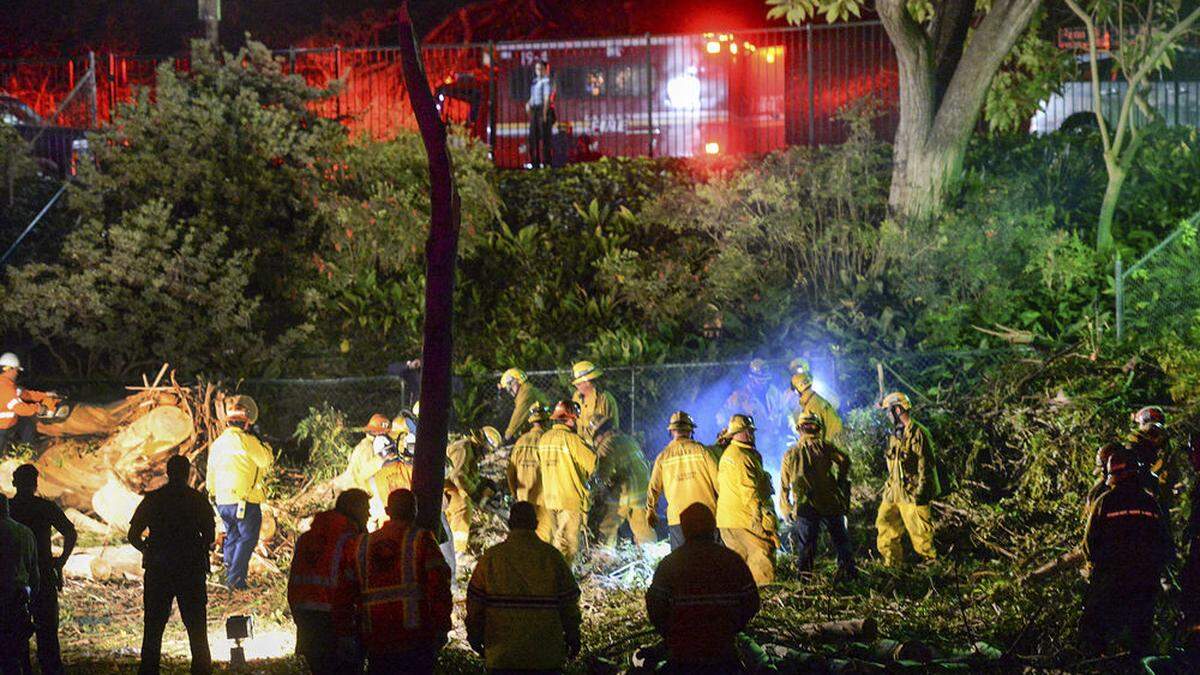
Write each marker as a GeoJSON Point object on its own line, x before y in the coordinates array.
{"type": "Point", "coordinates": [712, 148]}
{"type": "Point", "coordinates": [732, 47]}
{"type": "Point", "coordinates": [713, 47]}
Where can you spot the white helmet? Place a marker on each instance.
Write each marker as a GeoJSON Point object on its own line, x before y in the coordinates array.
{"type": "Point", "coordinates": [10, 360]}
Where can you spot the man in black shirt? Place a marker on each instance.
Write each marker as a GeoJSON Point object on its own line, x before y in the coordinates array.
{"type": "Point", "coordinates": [182, 530]}
{"type": "Point", "coordinates": [41, 515]}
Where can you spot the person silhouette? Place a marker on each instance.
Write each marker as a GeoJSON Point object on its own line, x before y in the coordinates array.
{"type": "Point", "coordinates": [175, 556]}
{"type": "Point", "coordinates": [18, 582]}
{"type": "Point", "coordinates": [41, 516]}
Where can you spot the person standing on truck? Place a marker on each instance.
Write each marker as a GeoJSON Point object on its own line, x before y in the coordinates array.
{"type": "Point", "coordinates": [541, 115]}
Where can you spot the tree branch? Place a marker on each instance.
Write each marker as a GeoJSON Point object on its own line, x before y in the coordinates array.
{"type": "Point", "coordinates": [1094, 66]}
{"type": "Point", "coordinates": [948, 35]}
{"type": "Point", "coordinates": [989, 46]}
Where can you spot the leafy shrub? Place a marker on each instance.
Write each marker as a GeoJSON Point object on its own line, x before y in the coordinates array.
{"type": "Point", "coordinates": [325, 433]}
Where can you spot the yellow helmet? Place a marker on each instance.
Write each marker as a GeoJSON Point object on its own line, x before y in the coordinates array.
{"type": "Point", "coordinates": [241, 407]}
{"type": "Point", "coordinates": [584, 371]}
{"type": "Point", "coordinates": [512, 375]}
{"type": "Point", "coordinates": [802, 382]}
{"type": "Point", "coordinates": [738, 424]}
{"type": "Point", "coordinates": [399, 428]}
{"type": "Point", "coordinates": [537, 413]}
{"type": "Point", "coordinates": [492, 437]}
{"type": "Point", "coordinates": [798, 365]}
{"type": "Point", "coordinates": [681, 421]}
{"type": "Point", "coordinates": [896, 398]}
{"type": "Point", "coordinates": [810, 418]}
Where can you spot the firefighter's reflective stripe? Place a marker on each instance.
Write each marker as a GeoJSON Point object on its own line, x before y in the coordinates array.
{"type": "Point", "coordinates": [1132, 513]}
{"type": "Point", "coordinates": [712, 599]}
{"type": "Point", "coordinates": [549, 602]}
{"type": "Point", "coordinates": [7, 415]}
{"type": "Point", "coordinates": [407, 592]}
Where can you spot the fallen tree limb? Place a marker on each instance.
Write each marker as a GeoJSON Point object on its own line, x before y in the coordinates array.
{"type": "Point", "coordinates": [1065, 561]}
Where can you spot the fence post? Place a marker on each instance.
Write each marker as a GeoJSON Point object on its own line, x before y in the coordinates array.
{"type": "Point", "coordinates": [632, 400]}
{"type": "Point", "coordinates": [811, 96]}
{"type": "Point", "coordinates": [92, 103]}
{"type": "Point", "coordinates": [112, 85]}
{"type": "Point", "coordinates": [1119, 278]}
{"type": "Point", "coordinates": [493, 72]}
{"type": "Point", "coordinates": [649, 103]}
{"type": "Point", "coordinates": [337, 75]}
{"type": "Point", "coordinates": [291, 60]}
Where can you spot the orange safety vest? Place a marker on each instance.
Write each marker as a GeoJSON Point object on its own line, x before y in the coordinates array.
{"type": "Point", "coordinates": [318, 573]}
{"type": "Point", "coordinates": [16, 402]}
{"type": "Point", "coordinates": [403, 589]}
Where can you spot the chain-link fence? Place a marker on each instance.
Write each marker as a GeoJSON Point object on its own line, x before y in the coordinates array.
{"type": "Point", "coordinates": [1160, 293]}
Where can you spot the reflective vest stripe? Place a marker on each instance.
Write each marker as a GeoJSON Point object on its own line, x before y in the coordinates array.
{"type": "Point", "coordinates": [407, 592]}
{"type": "Point", "coordinates": [326, 580]}
{"type": "Point", "coordinates": [7, 415]}
{"type": "Point", "coordinates": [363, 581]}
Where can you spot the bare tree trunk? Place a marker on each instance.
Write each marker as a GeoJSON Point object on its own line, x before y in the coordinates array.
{"type": "Point", "coordinates": [441, 250]}
{"type": "Point", "coordinates": [937, 115]}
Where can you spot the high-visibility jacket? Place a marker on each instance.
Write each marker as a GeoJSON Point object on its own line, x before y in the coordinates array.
{"type": "Point", "coordinates": [524, 469]}
{"type": "Point", "coordinates": [622, 467]}
{"type": "Point", "coordinates": [523, 605]}
{"type": "Point", "coordinates": [686, 472]}
{"type": "Point", "coordinates": [566, 464]}
{"type": "Point", "coordinates": [317, 573]}
{"type": "Point", "coordinates": [395, 474]}
{"type": "Point", "coordinates": [462, 466]}
{"type": "Point", "coordinates": [912, 470]}
{"type": "Point", "coordinates": [399, 591]}
{"type": "Point", "coordinates": [526, 396]}
{"type": "Point", "coordinates": [743, 491]}
{"type": "Point", "coordinates": [599, 403]}
{"type": "Point", "coordinates": [237, 467]}
{"type": "Point", "coordinates": [812, 402]}
{"type": "Point", "coordinates": [16, 402]}
{"type": "Point", "coordinates": [363, 464]}
{"type": "Point", "coordinates": [815, 473]}
{"type": "Point", "coordinates": [702, 595]}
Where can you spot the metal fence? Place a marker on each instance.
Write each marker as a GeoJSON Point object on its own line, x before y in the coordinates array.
{"type": "Point", "coordinates": [1160, 293]}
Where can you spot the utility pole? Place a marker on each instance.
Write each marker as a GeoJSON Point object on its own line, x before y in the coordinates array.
{"type": "Point", "coordinates": [210, 14]}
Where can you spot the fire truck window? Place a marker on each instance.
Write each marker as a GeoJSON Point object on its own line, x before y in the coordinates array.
{"type": "Point", "coordinates": [629, 81]}
{"type": "Point", "coordinates": [595, 83]}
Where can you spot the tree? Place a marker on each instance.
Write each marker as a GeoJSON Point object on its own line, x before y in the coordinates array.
{"type": "Point", "coordinates": [1147, 35]}
{"type": "Point", "coordinates": [946, 65]}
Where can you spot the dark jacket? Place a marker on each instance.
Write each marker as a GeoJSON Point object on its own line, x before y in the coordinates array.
{"type": "Point", "coordinates": [1126, 536]}
{"type": "Point", "coordinates": [182, 529]}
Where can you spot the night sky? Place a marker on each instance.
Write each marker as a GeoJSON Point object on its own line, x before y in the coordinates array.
{"type": "Point", "coordinates": [57, 27]}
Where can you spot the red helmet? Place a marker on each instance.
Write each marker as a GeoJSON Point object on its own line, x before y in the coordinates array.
{"type": "Point", "coordinates": [1151, 414]}
{"type": "Point", "coordinates": [378, 424]}
{"type": "Point", "coordinates": [565, 410]}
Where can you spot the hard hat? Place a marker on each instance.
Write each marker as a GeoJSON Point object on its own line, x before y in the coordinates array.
{"type": "Point", "coordinates": [896, 398]}
{"type": "Point", "coordinates": [810, 418]}
{"type": "Point", "coordinates": [10, 360]}
{"type": "Point", "coordinates": [399, 427]}
{"type": "Point", "coordinates": [492, 437]}
{"type": "Point", "coordinates": [512, 375]}
{"type": "Point", "coordinates": [1151, 414]}
{"type": "Point", "coordinates": [758, 369]}
{"type": "Point", "coordinates": [565, 410]}
{"type": "Point", "coordinates": [416, 409]}
{"type": "Point", "coordinates": [1121, 464]}
{"type": "Point", "coordinates": [378, 424]}
{"type": "Point", "coordinates": [585, 371]}
{"type": "Point", "coordinates": [681, 421]}
{"type": "Point", "coordinates": [802, 382]}
{"type": "Point", "coordinates": [599, 424]}
{"type": "Point", "coordinates": [537, 413]}
{"type": "Point", "coordinates": [738, 424]}
{"type": "Point", "coordinates": [798, 365]}
{"type": "Point", "coordinates": [241, 407]}
{"type": "Point", "coordinates": [1104, 452]}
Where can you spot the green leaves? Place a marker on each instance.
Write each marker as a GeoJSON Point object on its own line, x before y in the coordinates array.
{"type": "Point", "coordinates": [798, 11]}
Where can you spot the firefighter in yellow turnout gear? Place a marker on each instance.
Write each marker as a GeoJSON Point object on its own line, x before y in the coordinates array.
{"type": "Point", "coordinates": [463, 483]}
{"type": "Point", "coordinates": [525, 396]}
{"type": "Point", "coordinates": [524, 469]}
{"type": "Point", "coordinates": [622, 470]}
{"type": "Point", "coordinates": [591, 400]}
{"type": "Point", "coordinates": [236, 474]}
{"type": "Point", "coordinates": [912, 484]}
{"type": "Point", "coordinates": [685, 472]}
{"type": "Point", "coordinates": [364, 460]}
{"type": "Point", "coordinates": [813, 403]}
{"type": "Point", "coordinates": [745, 514]}
{"type": "Point", "coordinates": [566, 464]}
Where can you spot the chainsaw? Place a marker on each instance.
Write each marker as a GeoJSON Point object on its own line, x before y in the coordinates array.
{"type": "Point", "coordinates": [53, 410]}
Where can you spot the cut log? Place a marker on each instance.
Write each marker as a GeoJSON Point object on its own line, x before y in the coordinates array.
{"type": "Point", "coordinates": [90, 419]}
{"type": "Point", "coordinates": [1069, 560]}
{"type": "Point", "coordinates": [87, 524]}
{"type": "Point", "coordinates": [140, 450]}
{"type": "Point", "coordinates": [836, 631]}
{"type": "Point", "coordinates": [104, 563]}
{"type": "Point", "coordinates": [115, 503]}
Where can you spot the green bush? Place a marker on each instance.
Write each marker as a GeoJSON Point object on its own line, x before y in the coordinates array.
{"type": "Point", "coordinates": [328, 439]}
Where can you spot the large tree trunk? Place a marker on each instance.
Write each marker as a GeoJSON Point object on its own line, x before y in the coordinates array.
{"type": "Point", "coordinates": [942, 91]}
{"type": "Point", "coordinates": [441, 250]}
